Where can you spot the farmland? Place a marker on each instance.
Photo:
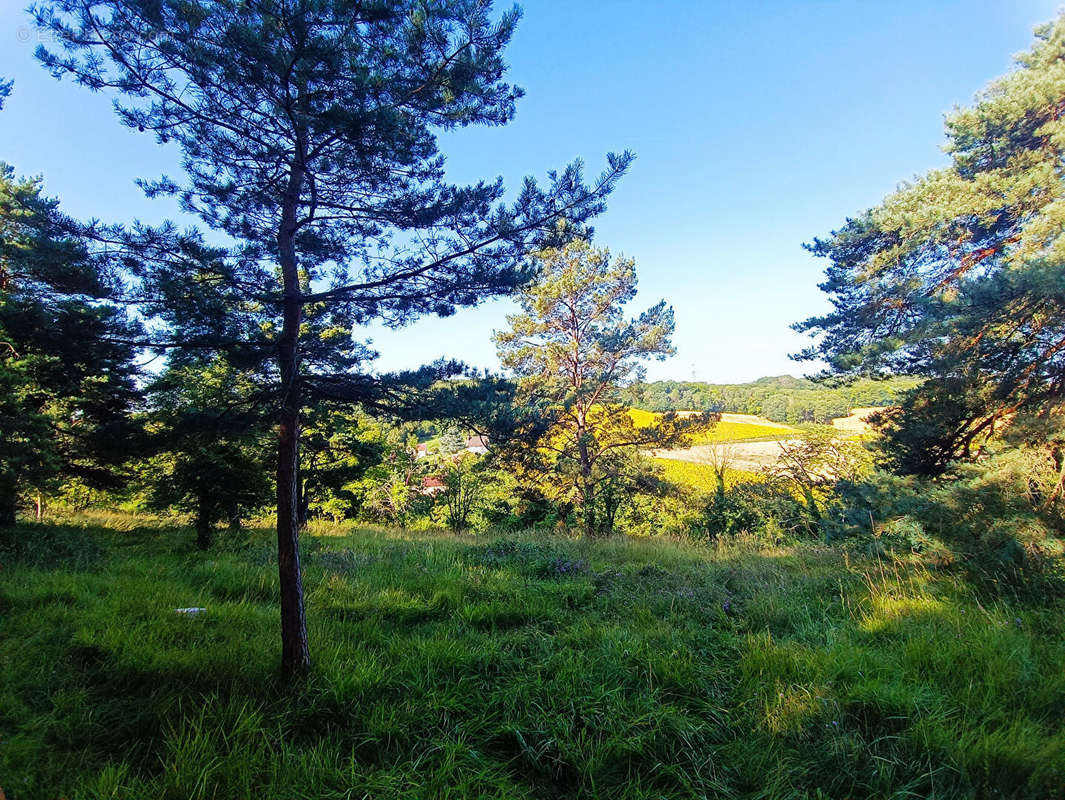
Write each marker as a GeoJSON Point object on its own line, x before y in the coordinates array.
{"type": "Point", "coordinates": [730, 428]}
{"type": "Point", "coordinates": [700, 475]}
{"type": "Point", "coordinates": [751, 443]}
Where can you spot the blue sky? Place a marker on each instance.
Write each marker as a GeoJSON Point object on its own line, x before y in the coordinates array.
{"type": "Point", "coordinates": [757, 126]}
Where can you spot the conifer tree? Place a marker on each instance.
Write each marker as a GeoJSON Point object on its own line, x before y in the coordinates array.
{"type": "Point", "coordinates": [959, 277]}
{"type": "Point", "coordinates": [67, 359]}
{"type": "Point", "coordinates": [208, 434]}
{"type": "Point", "coordinates": [572, 352]}
{"type": "Point", "coordinates": [308, 130]}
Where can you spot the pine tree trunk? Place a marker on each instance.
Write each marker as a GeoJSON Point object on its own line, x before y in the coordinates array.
{"type": "Point", "coordinates": [587, 487]}
{"type": "Point", "coordinates": [588, 501]}
{"type": "Point", "coordinates": [39, 508]}
{"type": "Point", "coordinates": [203, 526]}
{"type": "Point", "coordinates": [303, 494]}
{"type": "Point", "coordinates": [295, 650]}
{"type": "Point", "coordinates": [8, 499]}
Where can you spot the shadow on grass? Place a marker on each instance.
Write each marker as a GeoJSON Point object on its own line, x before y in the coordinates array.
{"type": "Point", "coordinates": [461, 667]}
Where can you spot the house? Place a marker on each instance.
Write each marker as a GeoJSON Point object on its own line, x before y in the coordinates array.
{"type": "Point", "coordinates": [432, 486]}
{"type": "Point", "coordinates": [422, 451]}
{"type": "Point", "coordinates": [477, 444]}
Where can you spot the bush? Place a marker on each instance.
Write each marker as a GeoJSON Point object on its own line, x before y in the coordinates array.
{"type": "Point", "coordinates": [991, 515]}
{"type": "Point", "coordinates": [763, 508]}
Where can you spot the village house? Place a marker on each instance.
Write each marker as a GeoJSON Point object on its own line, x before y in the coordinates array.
{"type": "Point", "coordinates": [477, 445]}
{"type": "Point", "coordinates": [432, 486]}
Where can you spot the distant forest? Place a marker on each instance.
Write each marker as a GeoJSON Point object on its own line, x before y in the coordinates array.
{"type": "Point", "coordinates": [781, 398]}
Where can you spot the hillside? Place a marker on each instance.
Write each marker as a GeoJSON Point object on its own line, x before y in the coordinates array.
{"type": "Point", "coordinates": [782, 398]}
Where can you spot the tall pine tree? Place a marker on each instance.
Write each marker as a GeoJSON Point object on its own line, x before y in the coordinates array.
{"type": "Point", "coordinates": [308, 133]}
{"type": "Point", "coordinates": [66, 352]}
{"type": "Point", "coordinates": [959, 277]}
{"type": "Point", "coordinates": [572, 351]}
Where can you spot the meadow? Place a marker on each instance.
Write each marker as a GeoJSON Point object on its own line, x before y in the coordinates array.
{"type": "Point", "coordinates": [450, 666]}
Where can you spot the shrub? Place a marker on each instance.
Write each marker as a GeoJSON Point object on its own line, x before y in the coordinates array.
{"type": "Point", "coordinates": [996, 516]}
{"type": "Point", "coordinates": [763, 508]}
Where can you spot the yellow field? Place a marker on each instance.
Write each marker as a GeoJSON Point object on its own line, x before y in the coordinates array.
{"type": "Point", "coordinates": [701, 476]}
{"type": "Point", "coordinates": [858, 421]}
{"type": "Point", "coordinates": [727, 430]}
{"type": "Point", "coordinates": [641, 418]}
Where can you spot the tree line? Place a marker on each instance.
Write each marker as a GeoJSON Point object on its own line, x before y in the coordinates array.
{"type": "Point", "coordinates": [781, 398]}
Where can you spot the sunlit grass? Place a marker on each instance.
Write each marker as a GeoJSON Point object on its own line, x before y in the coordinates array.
{"type": "Point", "coordinates": [461, 666]}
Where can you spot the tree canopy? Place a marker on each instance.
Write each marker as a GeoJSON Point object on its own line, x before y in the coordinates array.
{"type": "Point", "coordinates": [959, 277]}
{"type": "Point", "coordinates": [308, 133]}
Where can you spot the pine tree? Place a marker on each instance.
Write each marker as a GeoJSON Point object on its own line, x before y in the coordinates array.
{"type": "Point", "coordinates": [959, 277]}
{"type": "Point", "coordinates": [66, 353]}
{"type": "Point", "coordinates": [573, 351]}
{"type": "Point", "coordinates": [308, 132]}
{"type": "Point", "coordinates": [208, 434]}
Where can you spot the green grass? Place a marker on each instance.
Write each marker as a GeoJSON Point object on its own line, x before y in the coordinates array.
{"type": "Point", "coordinates": [449, 667]}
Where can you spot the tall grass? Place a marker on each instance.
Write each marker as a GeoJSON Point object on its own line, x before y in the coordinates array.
{"type": "Point", "coordinates": [454, 666]}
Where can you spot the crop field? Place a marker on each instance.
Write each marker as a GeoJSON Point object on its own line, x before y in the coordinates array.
{"type": "Point", "coordinates": [731, 428]}
{"type": "Point", "coordinates": [701, 476]}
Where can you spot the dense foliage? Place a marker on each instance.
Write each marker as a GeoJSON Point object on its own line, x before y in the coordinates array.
{"type": "Point", "coordinates": [67, 360]}
{"type": "Point", "coordinates": [210, 441]}
{"type": "Point", "coordinates": [959, 277]}
{"type": "Point", "coordinates": [1001, 519]}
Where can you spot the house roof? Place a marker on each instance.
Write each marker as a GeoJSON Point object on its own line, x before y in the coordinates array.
{"type": "Point", "coordinates": [477, 441]}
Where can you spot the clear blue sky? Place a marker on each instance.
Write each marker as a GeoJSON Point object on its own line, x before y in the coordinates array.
{"type": "Point", "coordinates": [757, 125]}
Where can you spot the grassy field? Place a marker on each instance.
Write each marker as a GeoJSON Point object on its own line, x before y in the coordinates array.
{"type": "Point", "coordinates": [454, 667]}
